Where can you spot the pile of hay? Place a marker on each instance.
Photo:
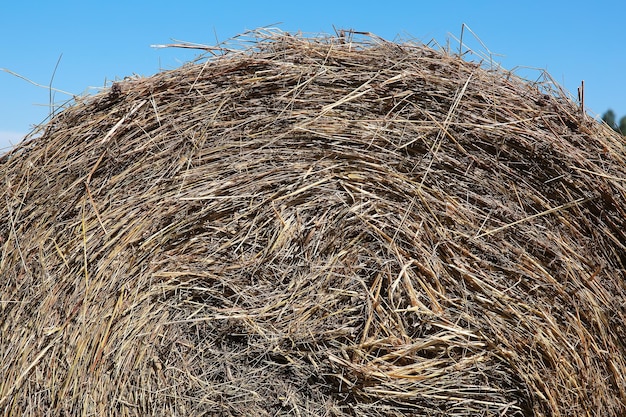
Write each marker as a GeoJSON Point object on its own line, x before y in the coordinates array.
{"type": "Point", "coordinates": [321, 226]}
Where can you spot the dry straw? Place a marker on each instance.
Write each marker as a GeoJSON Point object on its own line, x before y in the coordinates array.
{"type": "Point", "coordinates": [316, 226]}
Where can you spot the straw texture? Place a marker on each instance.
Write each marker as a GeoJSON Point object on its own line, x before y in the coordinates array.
{"type": "Point", "coordinates": [316, 226]}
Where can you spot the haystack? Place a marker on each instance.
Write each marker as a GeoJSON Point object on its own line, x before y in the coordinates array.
{"type": "Point", "coordinates": [316, 226]}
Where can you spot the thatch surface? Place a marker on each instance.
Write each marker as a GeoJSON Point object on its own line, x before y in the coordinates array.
{"type": "Point", "coordinates": [316, 227]}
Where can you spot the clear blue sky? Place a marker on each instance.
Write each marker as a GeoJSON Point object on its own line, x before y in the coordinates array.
{"type": "Point", "coordinates": [99, 41]}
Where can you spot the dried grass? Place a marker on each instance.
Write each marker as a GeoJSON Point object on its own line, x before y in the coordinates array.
{"type": "Point", "coordinates": [322, 226]}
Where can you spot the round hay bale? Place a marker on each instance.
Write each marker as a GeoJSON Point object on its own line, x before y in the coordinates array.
{"type": "Point", "coordinates": [321, 226]}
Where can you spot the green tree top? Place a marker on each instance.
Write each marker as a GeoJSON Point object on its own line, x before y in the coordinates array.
{"type": "Point", "coordinates": [609, 118]}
